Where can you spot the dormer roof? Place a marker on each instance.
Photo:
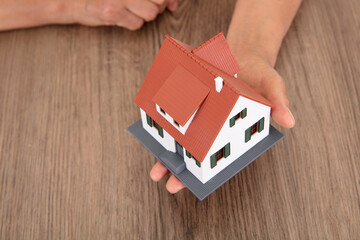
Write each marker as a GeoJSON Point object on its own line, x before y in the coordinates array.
{"type": "Point", "coordinates": [181, 95]}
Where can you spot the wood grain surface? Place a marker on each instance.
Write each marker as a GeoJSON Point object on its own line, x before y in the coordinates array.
{"type": "Point", "coordinates": [70, 170]}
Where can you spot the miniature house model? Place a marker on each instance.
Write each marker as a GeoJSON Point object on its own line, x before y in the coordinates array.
{"type": "Point", "coordinates": [192, 103]}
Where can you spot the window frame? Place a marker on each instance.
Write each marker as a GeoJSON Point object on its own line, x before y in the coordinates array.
{"type": "Point", "coordinates": [188, 154]}
{"type": "Point", "coordinates": [255, 128]}
{"type": "Point", "coordinates": [224, 152]}
{"type": "Point", "coordinates": [154, 124]}
{"type": "Point", "coordinates": [241, 115]}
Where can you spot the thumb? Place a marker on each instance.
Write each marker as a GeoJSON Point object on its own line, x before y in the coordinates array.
{"type": "Point", "coordinates": [276, 94]}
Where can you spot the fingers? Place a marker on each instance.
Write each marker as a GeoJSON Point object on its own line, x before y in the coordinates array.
{"type": "Point", "coordinates": [130, 14]}
{"type": "Point", "coordinates": [161, 4]}
{"type": "Point", "coordinates": [173, 185]}
{"type": "Point", "coordinates": [108, 14]}
{"type": "Point", "coordinates": [158, 172]}
{"type": "Point", "coordinates": [172, 5]}
{"type": "Point", "coordinates": [144, 9]}
{"type": "Point", "coordinates": [276, 94]}
{"type": "Point", "coordinates": [282, 116]}
{"type": "Point", "coordinates": [129, 20]}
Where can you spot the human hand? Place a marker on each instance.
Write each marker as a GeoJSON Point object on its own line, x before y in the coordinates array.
{"type": "Point", "coordinates": [255, 35]}
{"type": "Point", "coordinates": [258, 73]}
{"type": "Point", "coordinates": [130, 14]}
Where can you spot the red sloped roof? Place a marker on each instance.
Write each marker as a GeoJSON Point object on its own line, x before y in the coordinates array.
{"type": "Point", "coordinates": [181, 94]}
{"type": "Point", "coordinates": [184, 45]}
{"type": "Point", "coordinates": [214, 106]}
{"type": "Point", "coordinates": [238, 86]}
{"type": "Point", "coordinates": [217, 52]}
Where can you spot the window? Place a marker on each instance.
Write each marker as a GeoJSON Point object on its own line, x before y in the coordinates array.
{"type": "Point", "coordinates": [154, 124]}
{"type": "Point", "coordinates": [257, 127]}
{"type": "Point", "coordinates": [160, 129]}
{"type": "Point", "coordinates": [254, 128]}
{"type": "Point", "coordinates": [197, 163]}
{"type": "Point", "coordinates": [222, 153]}
{"type": "Point", "coordinates": [241, 115]}
{"type": "Point", "coordinates": [176, 123]}
{"type": "Point", "coordinates": [187, 154]}
{"type": "Point", "coordinates": [149, 120]}
{"type": "Point", "coordinates": [261, 124]}
{"type": "Point", "coordinates": [162, 111]}
{"type": "Point", "coordinates": [190, 156]}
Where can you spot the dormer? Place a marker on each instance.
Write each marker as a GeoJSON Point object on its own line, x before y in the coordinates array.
{"type": "Point", "coordinates": [173, 122]}
{"type": "Point", "coordinates": [180, 97]}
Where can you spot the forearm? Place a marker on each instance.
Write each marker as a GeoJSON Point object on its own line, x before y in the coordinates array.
{"type": "Point", "coordinates": [259, 26]}
{"type": "Point", "coordinates": [29, 13]}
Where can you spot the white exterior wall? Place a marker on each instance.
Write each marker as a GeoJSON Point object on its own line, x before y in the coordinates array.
{"type": "Point", "coordinates": [192, 167]}
{"type": "Point", "coordinates": [167, 142]}
{"type": "Point", "coordinates": [236, 136]}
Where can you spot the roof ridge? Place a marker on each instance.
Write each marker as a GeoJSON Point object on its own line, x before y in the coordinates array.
{"type": "Point", "coordinates": [191, 55]}
{"type": "Point", "coordinates": [208, 42]}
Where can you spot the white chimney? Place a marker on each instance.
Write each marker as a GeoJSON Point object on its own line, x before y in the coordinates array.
{"type": "Point", "coordinates": [219, 82]}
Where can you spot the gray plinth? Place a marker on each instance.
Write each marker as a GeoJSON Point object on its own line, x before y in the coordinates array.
{"type": "Point", "coordinates": [176, 166]}
{"type": "Point", "coordinates": [173, 161]}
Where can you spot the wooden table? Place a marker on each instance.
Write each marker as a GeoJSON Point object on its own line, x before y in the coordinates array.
{"type": "Point", "coordinates": [70, 170]}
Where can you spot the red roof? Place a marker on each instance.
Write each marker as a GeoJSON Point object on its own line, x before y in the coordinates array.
{"type": "Point", "coordinates": [217, 52]}
{"type": "Point", "coordinates": [181, 91]}
{"type": "Point", "coordinates": [238, 86]}
{"type": "Point", "coordinates": [184, 45]}
{"type": "Point", "coordinates": [180, 81]}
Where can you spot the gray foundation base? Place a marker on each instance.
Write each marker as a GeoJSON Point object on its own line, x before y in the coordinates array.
{"type": "Point", "coordinates": [177, 167]}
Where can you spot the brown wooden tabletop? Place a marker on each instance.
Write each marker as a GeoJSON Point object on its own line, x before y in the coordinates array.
{"type": "Point", "coordinates": [70, 170]}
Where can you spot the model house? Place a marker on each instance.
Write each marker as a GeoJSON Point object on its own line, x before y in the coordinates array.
{"type": "Point", "coordinates": [192, 103]}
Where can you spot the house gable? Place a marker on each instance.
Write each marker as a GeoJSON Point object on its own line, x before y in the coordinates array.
{"type": "Point", "coordinates": [234, 136]}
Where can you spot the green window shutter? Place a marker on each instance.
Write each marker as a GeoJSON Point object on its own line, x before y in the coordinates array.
{"type": "Point", "coordinates": [244, 113]}
{"type": "Point", "coordinates": [232, 121]}
{"type": "Point", "coordinates": [247, 134]}
{"type": "Point", "coordinates": [198, 163]}
{"type": "Point", "coordinates": [149, 120]}
{"type": "Point", "coordinates": [187, 154]}
{"type": "Point", "coordinates": [261, 125]}
{"type": "Point", "coordinates": [213, 161]}
{"type": "Point", "coordinates": [227, 150]}
{"type": "Point", "coordinates": [160, 131]}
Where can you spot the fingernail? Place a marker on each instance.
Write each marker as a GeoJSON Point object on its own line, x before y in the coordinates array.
{"type": "Point", "coordinates": [178, 188]}
{"type": "Point", "coordinates": [292, 117]}
{"type": "Point", "coordinates": [153, 176]}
